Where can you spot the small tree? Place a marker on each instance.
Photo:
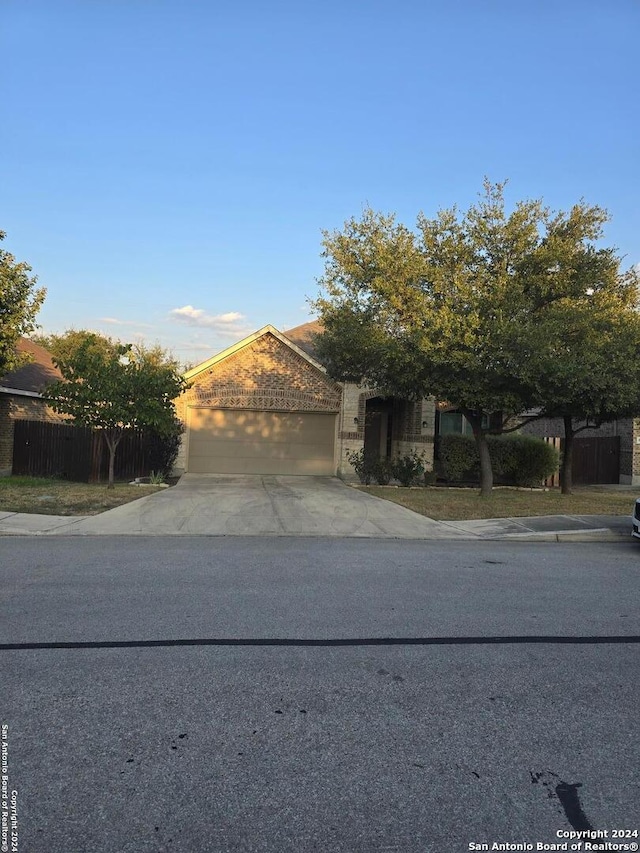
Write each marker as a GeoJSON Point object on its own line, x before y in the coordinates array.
{"type": "Point", "coordinates": [107, 386]}
{"type": "Point", "coordinates": [20, 302]}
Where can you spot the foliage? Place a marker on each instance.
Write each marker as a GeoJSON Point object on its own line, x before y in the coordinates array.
{"type": "Point", "coordinates": [66, 346]}
{"type": "Point", "coordinates": [360, 464]}
{"type": "Point", "coordinates": [382, 470]}
{"type": "Point", "coordinates": [457, 456]}
{"type": "Point", "coordinates": [161, 450]}
{"type": "Point", "coordinates": [430, 477]}
{"type": "Point", "coordinates": [107, 386]}
{"type": "Point", "coordinates": [582, 363]}
{"type": "Point", "coordinates": [370, 467]}
{"type": "Point", "coordinates": [20, 302]}
{"type": "Point", "coordinates": [533, 460]}
{"type": "Point", "coordinates": [464, 308]}
{"type": "Point", "coordinates": [408, 469]}
{"type": "Point", "coordinates": [519, 460]}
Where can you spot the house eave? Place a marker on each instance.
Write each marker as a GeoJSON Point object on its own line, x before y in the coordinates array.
{"type": "Point", "coordinates": [18, 392]}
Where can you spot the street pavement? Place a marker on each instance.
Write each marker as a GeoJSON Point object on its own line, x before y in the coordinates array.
{"type": "Point", "coordinates": [287, 694]}
{"type": "Point", "coordinates": [237, 505]}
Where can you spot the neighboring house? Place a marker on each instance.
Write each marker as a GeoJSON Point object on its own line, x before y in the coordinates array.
{"type": "Point", "coordinates": [607, 454]}
{"type": "Point", "coordinates": [21, 397]}
{"type": "Point", "coordinates": [266, 406]}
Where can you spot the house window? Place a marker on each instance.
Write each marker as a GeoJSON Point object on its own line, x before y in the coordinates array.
{"type": "Point", "coordinates": [455, 423]}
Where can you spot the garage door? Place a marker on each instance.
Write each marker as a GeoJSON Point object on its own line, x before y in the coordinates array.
{"type": "Point", "coordinates": [224, 441]}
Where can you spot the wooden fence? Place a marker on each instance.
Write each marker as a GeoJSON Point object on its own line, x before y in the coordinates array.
{"type": "Point", "coordinates": [596, 459]}
{"type": "Point", "coordinates": [553, 481]}
{"type": "Point", "coordinates": [44, 449]}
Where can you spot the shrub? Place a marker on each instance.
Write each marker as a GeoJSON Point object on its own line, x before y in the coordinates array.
{"type": "Point", "coordinates": [408, 469]}
{"type": "Point", "coordinates": [369, 466]}
{"type": "Point", "coordinates": [162, 450]}
{"type": "Point", "coordinates": [430, 478]}
{"type": "Point", "coordinates": [532, 461]}
{"type": "Point", "coordinates": [361, 464]}
{"type": "Point", "coordinates": [458, 457]}
{"type": "Point", "coordinates": [519, 460]}
{"type": "Point", "coordinates": [382, 470]}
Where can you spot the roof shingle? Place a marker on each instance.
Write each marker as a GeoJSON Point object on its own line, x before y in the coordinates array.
{"type": "Point", "coordinates": [35, 375]}
{"type": "Point", "coordinates": [303, 336]}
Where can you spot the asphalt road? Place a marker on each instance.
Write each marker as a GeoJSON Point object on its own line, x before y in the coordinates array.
{"type": "Point", "coordinates": [444, 701]}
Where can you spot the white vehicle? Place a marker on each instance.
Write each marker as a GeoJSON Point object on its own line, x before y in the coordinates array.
{"type": "Point", "coordinates": [636, 520]}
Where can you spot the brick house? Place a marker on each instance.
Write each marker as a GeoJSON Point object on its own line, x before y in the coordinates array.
{"type": "Point", "coordinates": [21, 397]}
{"type": "Point", "coordinates": [265, 405]}
{"type": "Point", "coordinates": [621, 437]}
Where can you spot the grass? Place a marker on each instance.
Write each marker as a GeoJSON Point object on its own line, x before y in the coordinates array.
{"type": "Point", "coordinates": [448, 504]}
{"type": "Point", "coordinates": [60, 497]}
{"type": "Point", "coordinates": [48, 496]}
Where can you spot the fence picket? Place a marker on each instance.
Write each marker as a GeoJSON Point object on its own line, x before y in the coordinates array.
{"type": "Point", "coordinates": [45, 449]}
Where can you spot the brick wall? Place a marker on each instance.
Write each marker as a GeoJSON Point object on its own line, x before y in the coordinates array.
{"type": "Point", "coordinates": [350, 433]}
{"type": "Point", "coordinates": [15, 408]}
{"type": "Point", "coordinates": [263, 368]}
{"type": "Point", "coordinates": [265, 374]}
{"type": "Point", "coordinates": [413, 431]}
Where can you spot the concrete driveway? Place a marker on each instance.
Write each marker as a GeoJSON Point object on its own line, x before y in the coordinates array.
{"type": "Point", "coordinates": [243, 505]}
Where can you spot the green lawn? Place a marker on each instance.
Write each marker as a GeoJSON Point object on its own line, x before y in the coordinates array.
{"type": "Point", "coordinates": [449, 504]}
{"type": "Point", "coordinates": [60, 497]}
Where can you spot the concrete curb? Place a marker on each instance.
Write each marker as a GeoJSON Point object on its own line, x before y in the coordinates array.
{"type": "Point", "coordinates": [568, 536]}
{"type": "Point", "coordinates": [603, 534]}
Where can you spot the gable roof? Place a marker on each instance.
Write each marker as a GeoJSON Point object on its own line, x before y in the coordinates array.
{"type": "Point", "coordinates": [285, 339]}
{"type": "Point", "coordinates": [304, 336]}
{"type": "Point", "coordinates": [36, 374]}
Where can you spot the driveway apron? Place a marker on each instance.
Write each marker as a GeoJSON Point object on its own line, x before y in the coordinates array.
{"type": "Point", "coordinates": [245, 505]}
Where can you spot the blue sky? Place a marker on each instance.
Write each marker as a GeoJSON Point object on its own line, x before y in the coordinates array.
{"type": "Point", "coordinates": [168, 166]}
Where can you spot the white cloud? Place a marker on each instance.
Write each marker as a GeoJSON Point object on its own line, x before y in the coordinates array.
{"type": "Point", "coordinates": [224, 323]}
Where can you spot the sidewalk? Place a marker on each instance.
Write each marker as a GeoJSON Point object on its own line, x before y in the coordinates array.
{"type": "Point", "coordinates": [549, 528]}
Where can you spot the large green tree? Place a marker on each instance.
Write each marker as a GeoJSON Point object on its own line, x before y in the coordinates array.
{"type": "Point", "coordinates": [109, 386]}
{"type": "Point", "coordinates": [20, 301]}
{"type": "Point", "coordinates": [459, 306]}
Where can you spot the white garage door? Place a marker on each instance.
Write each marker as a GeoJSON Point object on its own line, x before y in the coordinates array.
{"type": "Point", "coordinates": [226, 441]}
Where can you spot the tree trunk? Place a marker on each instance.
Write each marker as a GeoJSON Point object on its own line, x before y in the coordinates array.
{"type": "Point", "coordinates": [486, 471]}
{"type": "Point", "coordinates": [112, 444]}
{"type": "Point", "coordinates": [566, 466]}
